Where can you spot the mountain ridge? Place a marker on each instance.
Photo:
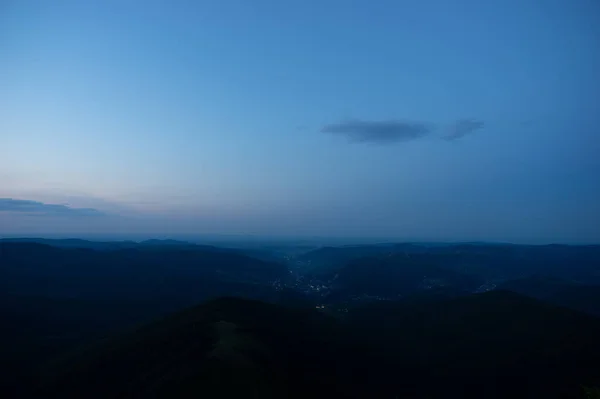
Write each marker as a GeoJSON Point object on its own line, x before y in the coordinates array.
{"type": "Point", "coordinates": [270, 351]}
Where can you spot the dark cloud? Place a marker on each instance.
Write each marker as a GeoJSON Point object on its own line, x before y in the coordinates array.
{"type": "Point", "coordinates": [382, 132]}
{"type": "Point", "coordinates": [463, 127]}
{"type": "Point", "coordinates": [43, 209]}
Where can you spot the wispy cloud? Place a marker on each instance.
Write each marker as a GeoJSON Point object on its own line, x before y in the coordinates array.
{"type": "Point", "coordinates": [36, 208]}
{"type": "Point", "coordinates": [462, 127]}
{"type": "Point", "coordinates": [381, 132]}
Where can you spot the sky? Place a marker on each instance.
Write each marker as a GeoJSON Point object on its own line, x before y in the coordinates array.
{"type": "Point", "coordinates": [406, 119]}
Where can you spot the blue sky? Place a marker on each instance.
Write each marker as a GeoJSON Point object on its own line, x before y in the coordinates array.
{"type": "Point", "coordinates": [433, 120]}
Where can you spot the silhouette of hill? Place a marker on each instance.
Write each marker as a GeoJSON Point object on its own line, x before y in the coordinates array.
{"type": "Point", "coordinates": [225, 348]}
{"type": "Point", "coordinates": [331, 259]}
{"type": "Point", "coordinates": [56, 297]}
{"type": "Point", "coordinates": [35, 328]}
{"type": "Point", "coordinates": [192, 272]}
{"type": "Point", "coordinates": [488, 261]}
{"type": "Point", "coordinates": [435, 339]}
{"type": "Point", "coordinates": [74, 243]}
{"type": "Point", "coordinates": [583, 298]}
{"type": "Point", "coordinates": [396, 275]}
{"type": "Point", "coordinates": [102, 245]}
{"type": "Point", "coordinates": [571, 294]}
{"type": "Point", "coordinates": [538, 286]}
{"type": "Point", "coordinates": [494, 345]}
{"type": "Point", "coordinates": [175, 243]}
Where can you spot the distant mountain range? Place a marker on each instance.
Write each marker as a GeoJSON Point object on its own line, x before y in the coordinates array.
{"type": "Point", "coordinates": [100, 245]}
{"type": "Point", "coordinates": [397, 275]}
{"type": "Point", "coordinates": [172, 270]}
{"type": "Point", "coordinates": [495, 261]}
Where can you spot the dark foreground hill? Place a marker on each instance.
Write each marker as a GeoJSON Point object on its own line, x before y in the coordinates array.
{"type": "Point", "coordinates": [493, 345]}
{"type": "Point", "coordinates": [225, 348]}
{"type": "Point", "coordinates": [55, 297]}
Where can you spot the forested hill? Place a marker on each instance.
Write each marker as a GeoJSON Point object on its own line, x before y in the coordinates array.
{"type": "Point", "coordinates": [48, 270]}
{"type": "Point", "coordinates": [493, 345]}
